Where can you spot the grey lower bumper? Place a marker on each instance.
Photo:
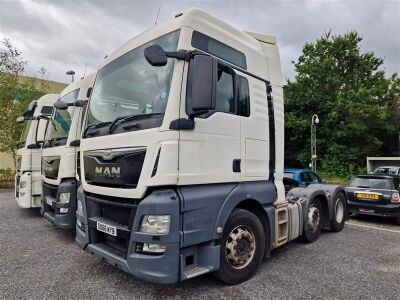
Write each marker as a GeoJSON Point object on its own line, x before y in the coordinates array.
{"type": "Point", "coordinates": [125, 251]}
{"type": "Point", "coordinates": [51, 207]}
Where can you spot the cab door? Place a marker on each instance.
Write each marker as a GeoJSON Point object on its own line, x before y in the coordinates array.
{"type": "Point", "coordinates": [211, 152]}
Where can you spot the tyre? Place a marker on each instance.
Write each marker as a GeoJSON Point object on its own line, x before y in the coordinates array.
{"type": "Point", "coordinates": [242, 247]}
{"type": "Point", "coordinates": [398, 220]}
{"type": "Point", "coordinates": [312, 221]}
{"type": "Point", "coordinates": [340, 209]}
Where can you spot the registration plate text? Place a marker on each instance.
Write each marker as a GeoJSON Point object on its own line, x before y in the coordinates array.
{"type": "Point", "coordinates": [111, 230]}
{"type": "Point", "coordinates": [367, 196]}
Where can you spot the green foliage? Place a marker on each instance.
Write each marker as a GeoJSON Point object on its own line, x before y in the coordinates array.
{"type": "Point", "coordinates": [357, 105]}
{"type": "Point", "coordinates": [15, 94]}
{"type": "Point", "coordinates": [6, 178]}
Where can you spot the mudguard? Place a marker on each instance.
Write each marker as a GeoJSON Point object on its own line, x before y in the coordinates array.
{"type": "Point", "coordinates": [328, 192]}
{"type": "Point", "coordinates": [332, 191]}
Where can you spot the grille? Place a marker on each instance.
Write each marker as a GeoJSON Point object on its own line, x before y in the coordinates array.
{"type": "Point", "coordinates": [113, 210]}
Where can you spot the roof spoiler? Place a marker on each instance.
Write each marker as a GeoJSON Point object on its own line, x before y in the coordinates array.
{"type": "Point", "coordinates": [269, 39]}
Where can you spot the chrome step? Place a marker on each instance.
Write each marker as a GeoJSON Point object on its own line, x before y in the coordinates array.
{"type": "Point", "coordinates": [195, 270]}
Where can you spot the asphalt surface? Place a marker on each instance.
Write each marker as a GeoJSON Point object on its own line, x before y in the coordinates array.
{"type": "Point", "coordinates": [39, 261]}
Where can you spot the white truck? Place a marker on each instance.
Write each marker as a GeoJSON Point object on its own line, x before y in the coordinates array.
{"type": "Point", "coordinates": [182, 156]}
{"type": "Point", "coordinates": [60, 155]}
{"type": "Point", "coordinates": [29, 151]}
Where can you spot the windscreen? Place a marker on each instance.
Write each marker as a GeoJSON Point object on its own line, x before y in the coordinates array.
{"type": "Point", "coordinates": [24, 134]}
{"type": "Point", "coordinates": [131, 86]}
{"type": "Point", "coordinates": [372, 183]}
{"type": "Point", "coordinates": [60, 123]}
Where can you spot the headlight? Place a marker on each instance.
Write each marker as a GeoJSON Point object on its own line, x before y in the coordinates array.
{"type": "Point", "coordinates": [64, 197]}
{"type": "Point", "coordinates": [63, 210]}
{"type": "Point", "coordinates": [155, 224]}
{"type": "Point", "coordinates": [79, 207]}
{"type": "Point", "coordinates": [22, 184]}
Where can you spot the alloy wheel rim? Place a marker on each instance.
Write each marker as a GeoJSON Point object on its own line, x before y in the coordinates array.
{"type": "Point", "coordinates": [313, 218]}
{"type": "Point", "coordinates": [240, 247]}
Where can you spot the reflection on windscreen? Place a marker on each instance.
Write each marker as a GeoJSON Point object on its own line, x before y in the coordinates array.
{"type": "Point", "coordinates": [372, 183]}
{"type": "Point", "coordinates": [131, 86]}
{"type": "Point", "coordinates": [61, 121]}
{"type": "Point", "coordinates": [24, 134]}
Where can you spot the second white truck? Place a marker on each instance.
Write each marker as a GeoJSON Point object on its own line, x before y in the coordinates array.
{"type": "Point", "coordinates": [60, 152]}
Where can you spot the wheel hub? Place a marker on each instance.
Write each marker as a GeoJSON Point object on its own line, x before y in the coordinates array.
{"type": "Point", "coordinates": [240, 247]}
{"type": "Point", "coordinates": [313, 218]}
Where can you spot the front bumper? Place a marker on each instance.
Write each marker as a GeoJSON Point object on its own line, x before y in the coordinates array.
{"type": "Point", "coordinates": [125, 250]}
{"type": "Point", "coordinates": [51, 206]}
{"type": "Point", "coordinates": [23, 196]}
{"type": "Point", "coordinates": [388, 210]}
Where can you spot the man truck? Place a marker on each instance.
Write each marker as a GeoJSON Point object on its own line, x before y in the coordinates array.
{"type": "Point", "coordinates": [29, 151]}
{"type": "Point", "coordinates": [182, 156]}
{"type": "Point", "coordinates": [59, 158]}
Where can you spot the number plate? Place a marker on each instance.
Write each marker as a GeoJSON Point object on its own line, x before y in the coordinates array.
{"type": "Point", "coordinates": [367, 196]}
{"type": "Point", "coordinates": [49, 202]}
{"type": "Point", "coordinates": [111, 230]}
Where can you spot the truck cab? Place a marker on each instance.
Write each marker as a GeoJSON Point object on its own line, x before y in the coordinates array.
{"type": "Point", "coordinates": [182, 155]}
{"type": "Point", "coordinates": [60, 151]}
{"type": "Point", "coordinates": [29, 151]}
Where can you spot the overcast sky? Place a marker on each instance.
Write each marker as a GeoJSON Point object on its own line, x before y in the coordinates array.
{"type": "Point", "coordinates": [63, 35]}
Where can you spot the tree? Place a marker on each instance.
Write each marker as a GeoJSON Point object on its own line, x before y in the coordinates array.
{"type": "Point", "coordinates": [15, 95]}
{"type": "Point", "coordinates": [357, 105]}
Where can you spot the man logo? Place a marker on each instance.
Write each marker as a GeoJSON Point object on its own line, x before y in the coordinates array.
{"type": "Point", "coordinates": [110, 172]}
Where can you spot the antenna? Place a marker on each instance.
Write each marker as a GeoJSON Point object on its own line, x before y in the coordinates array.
{"type": "Point", "coordinates": [84, 73]}
{"type": "Point", "coordinates": [158, 13]}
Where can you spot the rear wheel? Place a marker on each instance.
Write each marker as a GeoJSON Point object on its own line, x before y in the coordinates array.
{"type": "Point", "coordinates": [242, 247]}
{"type": "Point", "coordinates": [312, 221]}
{"type": "Point", "coordinates": [340, 213]}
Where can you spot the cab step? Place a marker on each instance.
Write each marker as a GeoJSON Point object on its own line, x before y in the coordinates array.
{"type": "Point", "coordinates": [195, 270]}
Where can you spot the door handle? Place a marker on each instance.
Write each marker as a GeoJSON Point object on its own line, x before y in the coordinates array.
{"type": "Point", "coordinates": [236, 165]}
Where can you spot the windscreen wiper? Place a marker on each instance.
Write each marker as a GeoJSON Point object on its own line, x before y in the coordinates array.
{"type": "Point", "coordinates": [93, 126]}
{"type": "Point", "coordinates": [128, 118]}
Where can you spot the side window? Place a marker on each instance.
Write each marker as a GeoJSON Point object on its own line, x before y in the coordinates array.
{"type": "Point", "coordinates": [224, 96]}
{"type": "Point", "coordinates": [313, 177]}
{"type": "Point", "coordinates": [244, 97]}
{"type": "Point", "coordinates": [304, 177]}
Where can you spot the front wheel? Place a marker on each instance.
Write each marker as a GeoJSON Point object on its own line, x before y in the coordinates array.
{"type": "Point", "coordinates": [242, 247]}
{"type": "Point", "coordinates": [340, 213]}
{"type": "Point", "coordinates": [312, 221]}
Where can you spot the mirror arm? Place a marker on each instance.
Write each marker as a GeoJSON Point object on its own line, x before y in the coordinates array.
{"type": "Point", "coordinates": [79, 103]}
{"type": "Point", "coordinates": [179, 55]}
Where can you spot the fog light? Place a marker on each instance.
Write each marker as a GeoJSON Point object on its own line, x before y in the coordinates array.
{"type": "Point", "coordinates": [22, 184]}
{"type": "Point", "coordinates": [155, 224]}
{"type": "Point", "coordinates": [63, 210]}
{"type": "Point", "coordinates": [153, 248]}
{"type": "Point", "coordinates": [79, 207]}
{"type": "Point", "coordinates": [64, 197]}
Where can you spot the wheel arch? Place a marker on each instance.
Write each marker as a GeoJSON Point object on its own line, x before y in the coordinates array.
{"type": "Point", "coordinates": [253, 206]}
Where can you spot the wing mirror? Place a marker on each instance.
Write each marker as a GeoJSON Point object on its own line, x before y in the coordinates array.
{"type": "Point", "coordinates": [61, 105]}
{"type": "Point", "coordinates": [204, 79]}
{"type": "Point", "coordinates": [20, 120]}
{"type": "Point", "coordinates": [155, 56]}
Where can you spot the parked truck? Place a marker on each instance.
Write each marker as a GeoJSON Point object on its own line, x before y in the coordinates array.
{"type": "Point", "coordinates": [29, 151]}
{"type": "Point", "coordinates": [60, 151]}
{"type": "Point", "coordinates": [182, 156]}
